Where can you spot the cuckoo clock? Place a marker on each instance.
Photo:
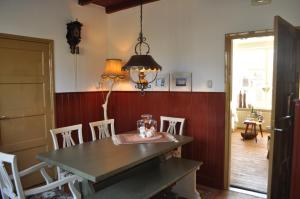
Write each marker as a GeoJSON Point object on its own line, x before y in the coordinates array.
{"type": "Point", "coordinates": [73, 35]}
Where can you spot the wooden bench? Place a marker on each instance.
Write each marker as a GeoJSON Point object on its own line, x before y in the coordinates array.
{"type": "Point", "coordinates": [148, 180]}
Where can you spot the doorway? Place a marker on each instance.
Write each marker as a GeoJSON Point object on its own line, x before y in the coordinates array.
{"type": "Point", "coordinates": [251, 105]}
{"type": "Point", "coordinates": [285, 90]}
{"type": "Point", "coordinates": [250, 59]}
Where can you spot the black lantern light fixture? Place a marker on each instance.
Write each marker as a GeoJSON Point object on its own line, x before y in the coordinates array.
{"type": "Point", "coordinates": [141, 64]}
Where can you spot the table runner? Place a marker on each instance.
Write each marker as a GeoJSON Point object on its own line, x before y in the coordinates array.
{"type": "Point", "coordinates": [136, 139]}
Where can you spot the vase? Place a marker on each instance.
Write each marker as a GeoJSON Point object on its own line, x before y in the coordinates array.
{"type": "Point", "coordinates": [240, 100]}
{"type": "Point", "coordinates": [146, 127]}
{"type": "Point", "coordinates": [244, 100]}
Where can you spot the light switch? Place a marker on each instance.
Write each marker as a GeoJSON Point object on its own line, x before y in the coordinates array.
{"type": "Point", "coordinates": [209, 83]}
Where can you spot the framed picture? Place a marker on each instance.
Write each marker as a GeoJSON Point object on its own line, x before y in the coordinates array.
{"type": "Point", "coordinates": [181, 82]}
{"type": "Point", "coordinates": [162, 83]}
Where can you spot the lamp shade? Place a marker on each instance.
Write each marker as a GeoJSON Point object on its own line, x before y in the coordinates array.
{"type": "Point", "coordinates": [141, 62]}
{"type": "Point", "coordinates": [113, 70]}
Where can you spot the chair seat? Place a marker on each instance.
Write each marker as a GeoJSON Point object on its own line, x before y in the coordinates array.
{"type": "Point", "coordinates": [52, 194]}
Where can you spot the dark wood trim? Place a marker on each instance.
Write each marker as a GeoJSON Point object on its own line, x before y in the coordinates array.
{"type": "Point", "coordinates": [125, 5]}
{"type": "Point", "coordinates": [249, 34]}
{"type": "Point", "coordinates": [295, 178]}
{"type": "Point", "coordinates": [84, 2]}
{"type": "Point", "coordinates": [115, 6]}
{"type": "Point", "coordinates": [228, 80]}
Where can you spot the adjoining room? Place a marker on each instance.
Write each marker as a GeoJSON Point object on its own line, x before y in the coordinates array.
{"type": "Point", "coordinates": [251, 112]}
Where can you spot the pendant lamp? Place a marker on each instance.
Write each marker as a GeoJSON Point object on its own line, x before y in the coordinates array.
{"type": "Point", "coordinates": [142, 64]}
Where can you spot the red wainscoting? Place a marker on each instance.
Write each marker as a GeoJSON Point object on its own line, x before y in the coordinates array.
{"type": "Point", "coordinates": [295, 184]}
{"type": "Point", "coordinates": [204, 113]}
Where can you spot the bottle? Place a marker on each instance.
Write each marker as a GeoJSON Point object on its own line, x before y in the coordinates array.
{"type": "Point", "coordinates": [240, 99]}
{"type": "Point", "coordinates": [244, 100]}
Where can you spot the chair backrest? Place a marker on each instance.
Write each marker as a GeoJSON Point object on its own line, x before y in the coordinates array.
{"type": "Point", "coordinates": [172, 124]}
{"type": "Point", "coordinates": [103, 128]}
{"type": "Point", "coordinates": [66, 133]}
{"type": "Point", "coordinates": [10, 185]}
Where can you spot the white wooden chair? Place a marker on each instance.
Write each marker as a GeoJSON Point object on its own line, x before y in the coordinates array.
{"type": "Point", "coordinates": [103, 128]}
{"type": "Point", "coordinates": [68, 141]}
{"type": "Point", "coordinates": [172, 122]}
{"type": "Point", "coordinates": [11, 186]}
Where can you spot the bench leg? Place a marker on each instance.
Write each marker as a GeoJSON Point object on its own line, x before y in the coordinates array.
{"type": "Point", "coordinates": [186, 187]}
{"type": "Point", "coordinates": [87, 189]}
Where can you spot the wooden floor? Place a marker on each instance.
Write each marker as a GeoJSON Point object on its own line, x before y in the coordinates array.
{"type": "Point", "coordinates": [233, 195]}
{"type": "Point", "coordinates": [249, 163]}
{"type": "Point", "coordinates": [210, 193]}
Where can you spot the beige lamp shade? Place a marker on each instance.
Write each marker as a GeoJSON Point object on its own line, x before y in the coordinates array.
{"type": "Point", "coordinates": [113, 70]}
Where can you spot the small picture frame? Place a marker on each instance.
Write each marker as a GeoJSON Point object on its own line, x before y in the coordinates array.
{"type": "Point", "coordinates": [161, 83]}
{"type": "Point", "coordinates": [181, 82]}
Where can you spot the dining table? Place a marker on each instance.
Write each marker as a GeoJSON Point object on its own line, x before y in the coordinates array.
{"type": "Point", "coordinates": [100, 160]}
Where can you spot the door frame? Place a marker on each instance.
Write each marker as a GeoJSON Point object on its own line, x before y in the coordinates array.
{"type": "Point", "coordinates": [228, 92]}
{"type": "Point", "coordinates": [50, 44]}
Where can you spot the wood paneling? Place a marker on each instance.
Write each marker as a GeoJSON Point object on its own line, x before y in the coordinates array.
{"type": "Point", "coordinates": [78, 108]}
{"type": "Point", "coordinates": [295, 181]}
{"type": "Point", "coordinates": [204, 113]}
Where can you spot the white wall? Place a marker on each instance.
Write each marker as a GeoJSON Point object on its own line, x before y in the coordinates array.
{"type": "Point", "coordinates": [47, 19]}
{"type": "Point", "coordinates": [184, 35]}
{"type": "Point", "coordinates": [188, 35]}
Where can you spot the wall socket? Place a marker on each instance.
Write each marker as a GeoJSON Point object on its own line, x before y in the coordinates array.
{"type": "Point", "coordinates": [209, 83]}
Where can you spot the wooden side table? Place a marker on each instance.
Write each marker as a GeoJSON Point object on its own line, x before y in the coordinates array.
{"type": "Point", "coordinates": [253, 133]}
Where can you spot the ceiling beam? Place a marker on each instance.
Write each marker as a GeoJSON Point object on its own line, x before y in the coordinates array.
{"type": "Point", "coordinates": [84, 2]}
{"type": "Point", "coordinates": [124, 5]}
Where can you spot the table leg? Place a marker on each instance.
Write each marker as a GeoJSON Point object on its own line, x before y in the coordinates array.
{"type": "Point", "coordinates": [255, 133]}
{"type": "Point", "coordinates": [87, 188]}
{"type": "Point", "coordinates": [186, 187]}
{"type": "Point", "coordinates": [260, 128]}
{"type": "Point", "coordinates": [247, 126]}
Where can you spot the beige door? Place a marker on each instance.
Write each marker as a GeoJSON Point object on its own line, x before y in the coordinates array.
{"type": "Point", "coordinates": [26, 99]}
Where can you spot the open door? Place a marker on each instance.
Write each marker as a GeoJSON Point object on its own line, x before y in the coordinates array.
{"type": "Point", "coordinates": [285, 90]}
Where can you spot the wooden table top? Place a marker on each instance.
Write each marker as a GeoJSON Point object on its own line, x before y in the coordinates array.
{"type": "Point", "coordinates": [101, 159]}
{"type": "Point", "coordinates": [252, 122]}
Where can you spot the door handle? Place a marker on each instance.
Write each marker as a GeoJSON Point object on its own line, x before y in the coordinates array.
{"type": "Point", "coordinates": [3, 117]}
{"type": "Point", "coordinates": [278, 130]}
{"type": "Point", "coordinates": [285, 118]}
{"type": "Point", "coordinates": [290, 102]}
